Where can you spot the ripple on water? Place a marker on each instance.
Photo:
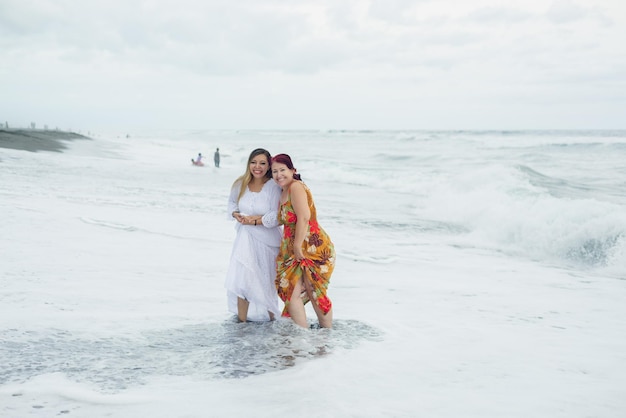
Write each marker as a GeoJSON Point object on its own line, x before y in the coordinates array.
{"type": "Point", "coordinates": [210, 351]}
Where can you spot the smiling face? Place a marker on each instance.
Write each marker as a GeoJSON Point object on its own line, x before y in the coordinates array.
{"type": "Point", "coordinates": [259, 166]}
{"type": "Point", "coordinates": [282, 174]}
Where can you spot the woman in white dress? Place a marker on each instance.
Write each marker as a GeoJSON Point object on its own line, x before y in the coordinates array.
{"type": "Point", "coordinates": [253, 203]}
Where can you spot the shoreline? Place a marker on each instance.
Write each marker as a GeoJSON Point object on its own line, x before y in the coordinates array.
{"type": "Point", "coordinates": [34, 140]}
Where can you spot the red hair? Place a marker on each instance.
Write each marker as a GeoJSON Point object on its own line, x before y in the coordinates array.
{"type": "Point", "coordinates": [286, 159]}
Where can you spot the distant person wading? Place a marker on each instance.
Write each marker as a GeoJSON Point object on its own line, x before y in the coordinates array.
{"type": "Point", "coordinates": [216, 157]}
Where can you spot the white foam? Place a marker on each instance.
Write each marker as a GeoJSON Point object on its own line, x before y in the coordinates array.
{"type": "Point", "coordinates": [119, 253]}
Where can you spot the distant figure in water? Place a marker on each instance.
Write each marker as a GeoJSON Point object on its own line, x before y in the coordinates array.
{"type": "Point", "coordinates": [307, 255]}
{"type": "Point", "coordinates": [216, 158]}
{"type": "Point", "coordinates": [198, 160]}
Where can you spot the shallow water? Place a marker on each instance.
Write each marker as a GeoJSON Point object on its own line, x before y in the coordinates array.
{"type": "Point", "coordinates": [481, 267]}
{"type": "Point", "coordinates": [204, 351]}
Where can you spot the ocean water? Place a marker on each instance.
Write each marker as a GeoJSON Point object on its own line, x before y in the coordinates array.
{"type": "Point", "coordinates": [479, 274]}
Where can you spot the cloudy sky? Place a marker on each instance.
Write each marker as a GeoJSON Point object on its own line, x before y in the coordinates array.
{"type": "Point", "coordinates": [316, 64]}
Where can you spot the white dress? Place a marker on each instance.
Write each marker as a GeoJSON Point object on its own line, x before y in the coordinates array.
{"type": "Point", "coordinates": [252, 268]}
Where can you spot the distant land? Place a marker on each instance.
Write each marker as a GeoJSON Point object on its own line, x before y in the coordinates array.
{"type": "Point", "coordinates": [34, 140]}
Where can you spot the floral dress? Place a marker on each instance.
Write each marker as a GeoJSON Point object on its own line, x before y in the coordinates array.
{"type": "Point", "coordinates": [319, 260]}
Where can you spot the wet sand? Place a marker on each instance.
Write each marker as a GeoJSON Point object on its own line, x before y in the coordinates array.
{"type": "Point", "coordinates": [34, 140]}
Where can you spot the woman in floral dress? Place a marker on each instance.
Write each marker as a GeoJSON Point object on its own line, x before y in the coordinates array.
{"type": "Point", "coordinates": [306, 257]}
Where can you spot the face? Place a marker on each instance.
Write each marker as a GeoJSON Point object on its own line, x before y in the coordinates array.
{"type": "Point", "coordinates": [283, 176]}
{"type": "Point", "coordinates": [259, 166]}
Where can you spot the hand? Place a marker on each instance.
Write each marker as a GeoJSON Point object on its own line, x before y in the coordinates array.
{"type": "Point", "coordinates": [298, 254]}
{"type": "Point", "coordinates": [239, 217]}
{"type": "Point", "coordinates": [250, 220]}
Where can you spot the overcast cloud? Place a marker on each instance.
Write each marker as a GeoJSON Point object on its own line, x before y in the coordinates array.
{"type": "Point", "coordinates": [322, 64]}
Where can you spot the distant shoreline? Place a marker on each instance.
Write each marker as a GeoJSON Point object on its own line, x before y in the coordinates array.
{"type": "Point", "coordinates": [34, 140]}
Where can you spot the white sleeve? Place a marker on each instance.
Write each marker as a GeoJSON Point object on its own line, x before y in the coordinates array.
{"type": "Point", "coordinates": [270, 219]}
{"type": "Point", "coordinates": [233, 203]}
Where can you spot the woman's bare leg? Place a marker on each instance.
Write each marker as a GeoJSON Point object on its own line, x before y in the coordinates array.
{"type": "Point", "coordinates": [242, 309]}
{"type": "Point", "coordinates": [296, 307]}
{"type": "Point", "coordinates": [325, 319]}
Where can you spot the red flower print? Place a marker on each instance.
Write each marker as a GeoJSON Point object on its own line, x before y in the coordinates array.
{"type": "Point", "coordinates": [324, 303]}
{"type": "Point", "coordinates": [314, 227]}
{"type": "Point", "coordinates": [305, 262]}
{"type": "Point", "coordinates": [291, 217]}
{"type": "Point", "coordinates": [287, 233]}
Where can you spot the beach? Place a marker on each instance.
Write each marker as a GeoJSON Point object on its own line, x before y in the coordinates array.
{"type": "Point", "coordinates": [479, 274]}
